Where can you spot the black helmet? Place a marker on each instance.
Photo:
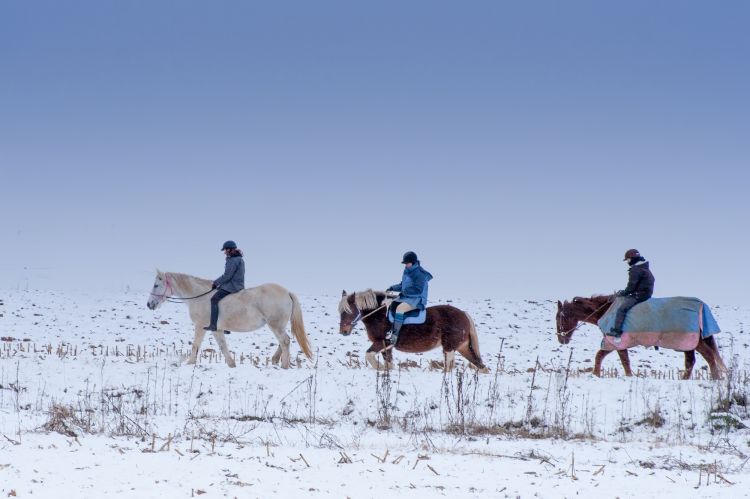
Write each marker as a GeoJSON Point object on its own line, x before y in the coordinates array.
{"type": "Point", "coordinates": [410, 257]}
{"type": "Point", "coordinates": [229, 245]}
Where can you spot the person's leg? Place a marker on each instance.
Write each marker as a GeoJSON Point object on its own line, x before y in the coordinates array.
{"type": "Point", "coordinates": [398, 321]}
{"type": "Point", "coordinates": [215, 299]}
{"type": "Point", "coordinates": [626, 304]}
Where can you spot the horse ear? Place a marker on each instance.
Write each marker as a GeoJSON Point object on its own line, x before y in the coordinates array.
{"type": "Point", "coordinates": [158, 272]}
{"type": "Point", "coordinates": [343, 292]}
{"type": "Point", "coordinates": [559, 304]}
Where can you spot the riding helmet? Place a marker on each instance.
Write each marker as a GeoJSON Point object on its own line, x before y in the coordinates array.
{"type": "Point", "coordinates": [410, 257]}
{"type": "Point", "coordinates": [229, 245]}
{"type": "Point", "coordinates": [631, 253]}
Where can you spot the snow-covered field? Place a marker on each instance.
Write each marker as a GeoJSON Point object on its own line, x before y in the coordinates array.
{"type": "Point", "coordinates": [95, 400]}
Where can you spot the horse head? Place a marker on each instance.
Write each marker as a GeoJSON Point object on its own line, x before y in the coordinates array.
{"type": "Point", "coordinates": [581, 309]}
{"type": "Point", "coordinates": [357, 306]}
{"type": "Point", "coordinates": [349, 313]}
{"type": "Point", "coordinates": [566, 321]}
{"type": "Point", "coordinates": [160, 291]}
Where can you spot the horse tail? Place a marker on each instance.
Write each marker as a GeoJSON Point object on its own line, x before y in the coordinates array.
{"type": "Point", "coordinates": [712, 344]}
{"type": "Point", "coordinates": [474, 343]}
{"type": "Point", "coordinates": [298, 327]}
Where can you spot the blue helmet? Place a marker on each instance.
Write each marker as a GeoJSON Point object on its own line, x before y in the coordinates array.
{"type": "Point", "coordinates": [229, 245]}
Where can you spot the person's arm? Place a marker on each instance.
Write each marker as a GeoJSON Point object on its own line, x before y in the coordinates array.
{"type": "Point", "coordinates": [229, 269]}
{"type": "Point", "coordinates": [633, 280]}
{"type": "Point", "coordinates": [395, 287]}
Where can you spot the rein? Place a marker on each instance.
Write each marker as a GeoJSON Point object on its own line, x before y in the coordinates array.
{"type": "Point", "coordinates": [181, 299]}
{"type": "Point", "coordinates": [583, 321]}
{"type": "Point", "coordinates": [361, 317]}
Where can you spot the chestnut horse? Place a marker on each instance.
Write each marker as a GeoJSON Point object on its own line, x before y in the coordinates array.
{"type": "Point", "coordinates": [445, 326]}
{"type": "Point", "coordinates": [590, 310]}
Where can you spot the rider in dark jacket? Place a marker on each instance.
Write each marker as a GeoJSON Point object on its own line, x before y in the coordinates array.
{"type": "Point", "coordinates": [231, 281]}
{"type": "Point", "coordinates": [639, 289]}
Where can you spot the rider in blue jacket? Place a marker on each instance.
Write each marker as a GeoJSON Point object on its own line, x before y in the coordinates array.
{"type": "Point", "coordinates": [413, 290]}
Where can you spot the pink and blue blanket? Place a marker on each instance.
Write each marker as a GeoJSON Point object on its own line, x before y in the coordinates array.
{"type": "Point", "coordinates": [677, 323]}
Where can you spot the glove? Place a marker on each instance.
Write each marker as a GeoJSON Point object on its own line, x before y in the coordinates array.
{"type": "Point", "coordinates": [390, 288]}
{"type": "Point", "coordinates": [620, 293]}
{"type": "Point", "coordinates": [213, 285]}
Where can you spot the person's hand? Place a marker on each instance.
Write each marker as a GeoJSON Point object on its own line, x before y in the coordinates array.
{"type": "Point", "coordinates": [390, 288]}
{"type": "Point", "coordinates": [213, 285]}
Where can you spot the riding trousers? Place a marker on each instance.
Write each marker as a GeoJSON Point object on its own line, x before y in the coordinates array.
{"type": "Point", "coordinates": [215, 299]}
{"type": "Point", "coordinates": [402, 308]}
{"type": "Point", "coordinates": [626, 303]}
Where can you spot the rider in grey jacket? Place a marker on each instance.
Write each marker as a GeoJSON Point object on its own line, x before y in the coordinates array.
{"type": "Point", "coordinates": [231, 281]}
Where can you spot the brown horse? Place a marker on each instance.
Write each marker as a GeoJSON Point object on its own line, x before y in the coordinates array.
{"type": "Point", "coordinates": [445, 326]}
{"type": "Point", "coordinates": [590, 310]}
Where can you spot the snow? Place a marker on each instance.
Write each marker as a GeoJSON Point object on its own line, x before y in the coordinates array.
{"type": "Point", "coordinates": [95, 399]}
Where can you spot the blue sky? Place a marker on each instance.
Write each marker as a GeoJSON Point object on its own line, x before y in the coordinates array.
{"type": "Point", "coordinates": [518, 147]}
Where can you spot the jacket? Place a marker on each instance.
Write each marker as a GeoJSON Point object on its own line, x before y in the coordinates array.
{"type": "Point", "coordinates": [413, 286]}
{"type": "Point", "coordinates": [640, 282]}
{"type": "Point", "coordinates": [233, 279]}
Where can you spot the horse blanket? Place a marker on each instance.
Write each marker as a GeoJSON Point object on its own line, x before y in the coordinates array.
{"type": "Point", "coordinates": [677, 323]}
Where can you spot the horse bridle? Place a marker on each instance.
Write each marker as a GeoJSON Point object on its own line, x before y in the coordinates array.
{"type": "Point", "coordinates": [361, 317]}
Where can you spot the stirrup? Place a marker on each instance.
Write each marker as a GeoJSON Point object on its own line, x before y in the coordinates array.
{"type": "Point", "coordinates": [210, 327]}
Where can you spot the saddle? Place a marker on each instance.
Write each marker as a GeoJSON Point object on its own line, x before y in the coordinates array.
{"type": "Point", "coordinates": [415, 316]}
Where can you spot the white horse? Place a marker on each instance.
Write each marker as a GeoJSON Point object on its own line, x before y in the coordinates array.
{"type": "Point", "coordinates": [246, 310]}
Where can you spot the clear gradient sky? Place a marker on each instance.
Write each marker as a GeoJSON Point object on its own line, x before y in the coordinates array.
{"type": "Point", "coordinates": [518, 147]}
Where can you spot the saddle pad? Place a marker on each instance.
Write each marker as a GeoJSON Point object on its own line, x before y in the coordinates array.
{"type": "Point", "coordinates": [411, 317]}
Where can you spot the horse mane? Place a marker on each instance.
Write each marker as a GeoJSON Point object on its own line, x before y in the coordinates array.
{"type": "Point", "coordinates": [590, 304]}
{"type": "Point", "coordinates": [364, 300]}
{"type": "Point", "coordinates": [185, 281]}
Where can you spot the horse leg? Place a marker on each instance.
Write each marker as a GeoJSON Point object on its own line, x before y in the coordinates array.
{"type": "Point", "coordinates": [689, 363]}
{"type": "Point", "coordinates": [372, 355]}
{"type": "Point", "coordinates": [221, 339]}
{"type": "Point", "coordinates": [625, 361]}
{"type": "Point", "coordinates": [388, 357]}
{"type": "Point", "coordinates": [598, 362]}
{"type": "Point", "coordinates": [197, 340]}
{"type": "Point", "coordinates": [711, 343]}
{"type": "Point", "coordinates": [449, 361]}
{"type": "Point", "coordinates": [276, 356]}
{"type": "Point", "coordinates": [708, 353]}
{"type": "Point", "coordinates": [284, 342]}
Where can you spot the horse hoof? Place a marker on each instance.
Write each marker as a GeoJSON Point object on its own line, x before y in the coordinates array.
{"type": "Point", "coordinates": [190, 362]}
{"type": "Point", "coordinates": [232, 364]}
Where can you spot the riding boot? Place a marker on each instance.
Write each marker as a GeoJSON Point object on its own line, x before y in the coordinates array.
{"type": "Point", "coordinates": [397, 323]}
{"type": "Point", "coordinates": [214, 316]}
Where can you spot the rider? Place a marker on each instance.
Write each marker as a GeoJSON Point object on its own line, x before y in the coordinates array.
{"type": "Point", "coordinates": [232, 281]}
{"type": "Point", "coordinates": [640, 288]}
{"type": "Point", "coordinates": [413, 293]}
